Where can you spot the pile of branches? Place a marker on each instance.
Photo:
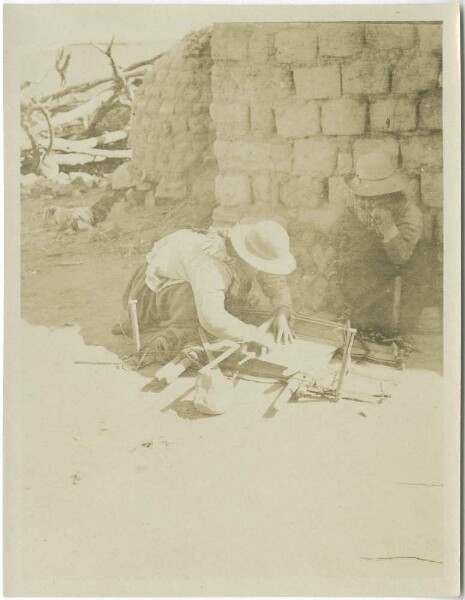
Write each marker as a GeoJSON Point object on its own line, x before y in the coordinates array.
{"type": "Point", "coordinates": [65, 130]}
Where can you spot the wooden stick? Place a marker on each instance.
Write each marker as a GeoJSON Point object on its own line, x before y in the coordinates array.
{"type": "Point", "coordinates": [176, 367]}
{"type": "Point", "coordinates": [219, 359]}
{"type": "Point", "coordinates": [172, 370]}
{"type": "Point", "coordinates": [263, 328]}
{"type": "Point", "coordinates": [203, 339]}
{"type": "Point", "coordinates": [396, 302]}
{"type": "Point", "coordinates": [350, 334]}
{"type": "Point", "coordinates": [134, 323]}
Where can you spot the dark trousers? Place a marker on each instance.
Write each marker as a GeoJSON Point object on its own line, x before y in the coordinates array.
{"type": "Point", "coordinates": [368, 286]}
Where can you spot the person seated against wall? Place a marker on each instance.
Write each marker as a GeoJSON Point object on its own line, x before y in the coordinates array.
{"type": "Point", "coordinates": [189, 278]}
{"type": "Point", "coordinates": [379, 240]}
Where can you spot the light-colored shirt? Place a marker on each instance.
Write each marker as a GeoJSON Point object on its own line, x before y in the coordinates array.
{"type": "Point", "coordinates": [202, 261]}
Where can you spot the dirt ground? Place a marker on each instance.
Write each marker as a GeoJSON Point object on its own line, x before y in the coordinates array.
{"type": "Point", "coordinates": [126, 486]}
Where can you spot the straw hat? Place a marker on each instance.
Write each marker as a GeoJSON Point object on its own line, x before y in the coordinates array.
{"type": "Point", "coordinates": [376, 176]}
{"type": "Point", "coordinates": [264, 246]}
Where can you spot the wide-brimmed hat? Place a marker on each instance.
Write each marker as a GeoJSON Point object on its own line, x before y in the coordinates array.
{"type": "Point", "coordinates": [375, 175]}
{"type": "Point", "coordinates": [264, 246]}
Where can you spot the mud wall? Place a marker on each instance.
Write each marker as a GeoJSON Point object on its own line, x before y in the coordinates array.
{"type": "Point", "coordinates": [171, 129]}
{"type": "Point", "coordinates": [295, 104]}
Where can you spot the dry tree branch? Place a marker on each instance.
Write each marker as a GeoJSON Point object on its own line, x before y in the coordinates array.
{"type": "Point", "coordinates": [117, 70]}
{"type": "Point", "coordinates": [84, 87]}
{"type": "Point", "coordinates": [38, 152]}
{"type": "Point", "coordinates": [143, 63]}
{"type": "Point", "coordinates": [39, 107]}
{"type": "Point", "coordinates": [62, 64]}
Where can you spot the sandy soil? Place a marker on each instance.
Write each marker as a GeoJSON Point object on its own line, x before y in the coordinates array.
{"type": "Point", "coordinates": [125, 486]}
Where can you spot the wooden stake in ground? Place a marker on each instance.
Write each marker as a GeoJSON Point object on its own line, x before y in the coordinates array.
{"type": "Point", "coordinates": [396, 302]}
{"type": "Point", "coordinates": [134, 323]}
{"type": "Point", "coordinates": [350, 334]}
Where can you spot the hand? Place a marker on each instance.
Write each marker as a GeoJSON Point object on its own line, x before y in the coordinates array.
{"type": "Point", "coordinates": [383, 219]}
{"type": "Point", "coordinates": [281, 328]}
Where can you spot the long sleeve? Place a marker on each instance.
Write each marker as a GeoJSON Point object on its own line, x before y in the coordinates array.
{"type": "Point", "coordinates": [276, 289]}
{"type": "Point", "coordinates": [209, 282]}
{"type": "Point", "coordinates": [399, 243]}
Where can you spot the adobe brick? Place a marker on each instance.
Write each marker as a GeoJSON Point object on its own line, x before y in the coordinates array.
{"type": "Point", "coordinates": [231, 120]}
{"type": "Point", "coordinates": [365, 77]}
{"type": "Point", "coordinates": [298, 120]}
{"type": "Point", "coordinates": [269, 84]}
{"type": "Point", "coordinates": [253, 156]}
{"type": "Point", "coordinates": [261, 43]}
{"type": "Point", "coordinates": [345, 163]}
{"type": "Point", "coordinates": [388, 36]}
{"type": "Point", "coordinates": [415, 73]}
{"type": "Point", "coordinates": [431, 111]}
{"type": "Point", "coordinates": [430, 37]}
{"type": "Point", "coordinates": [318, 82]}
{"type": "Point", "coordinates": [421, 151]}
{"type": "Point", "coordinates": [393, 114]}
{"type": "Point", "coordinates": [225, 216]}
{"type": "Point", "coordinates": [315, 156]}
{"type": "Point", "coordinates": [261, 188]}
{"type": "Point", "coordinates": [339, 193]}
{"type": "Point", "coordinates": [340, 39]}
{"type": "Point", "coordinates": [262, 119]}
{"type": "Point", "coordinates": [225, 82]}
{"type": "Point", "coordinates": [432, 189]}
{"type": "Point", "coordinates": [230, 43]}
{"type": "Point", "coordinates": [232, 190]}
{"type": "Point", "coordinates": [343, 116]}
{"type": "Point", "coordinates": [306, 191]}
{"type": "Point", "coordinates": [298, 46]}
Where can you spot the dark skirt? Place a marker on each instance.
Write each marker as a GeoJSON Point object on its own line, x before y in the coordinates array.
{"type": "Point", "coordinates": [168, 319]}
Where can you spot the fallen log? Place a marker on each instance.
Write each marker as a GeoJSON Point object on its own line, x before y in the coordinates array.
{"type": "Point", "coordinates": [70, 96]}
{"type": "Point", "coordinates": [75, 112]}
{"type": "Point", "coordinates": [78, 145]}
{"type": "Point", "coordinates": [81, 111]}
{"type": "Point", "coordinates": [89, 143]}
{"type": "Point", "coordinates": [89, 156]}
{"type": "Point", "coordinates": [80, 97]}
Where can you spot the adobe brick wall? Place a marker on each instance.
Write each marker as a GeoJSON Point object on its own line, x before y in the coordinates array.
{"type": "Point", "coordinates": [295, 104]}
{"type": "Point", "coordinates": [172, 132]}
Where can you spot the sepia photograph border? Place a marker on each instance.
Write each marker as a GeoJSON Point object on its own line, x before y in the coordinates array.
{"type": "Point", "coordinates": [20, 21]}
